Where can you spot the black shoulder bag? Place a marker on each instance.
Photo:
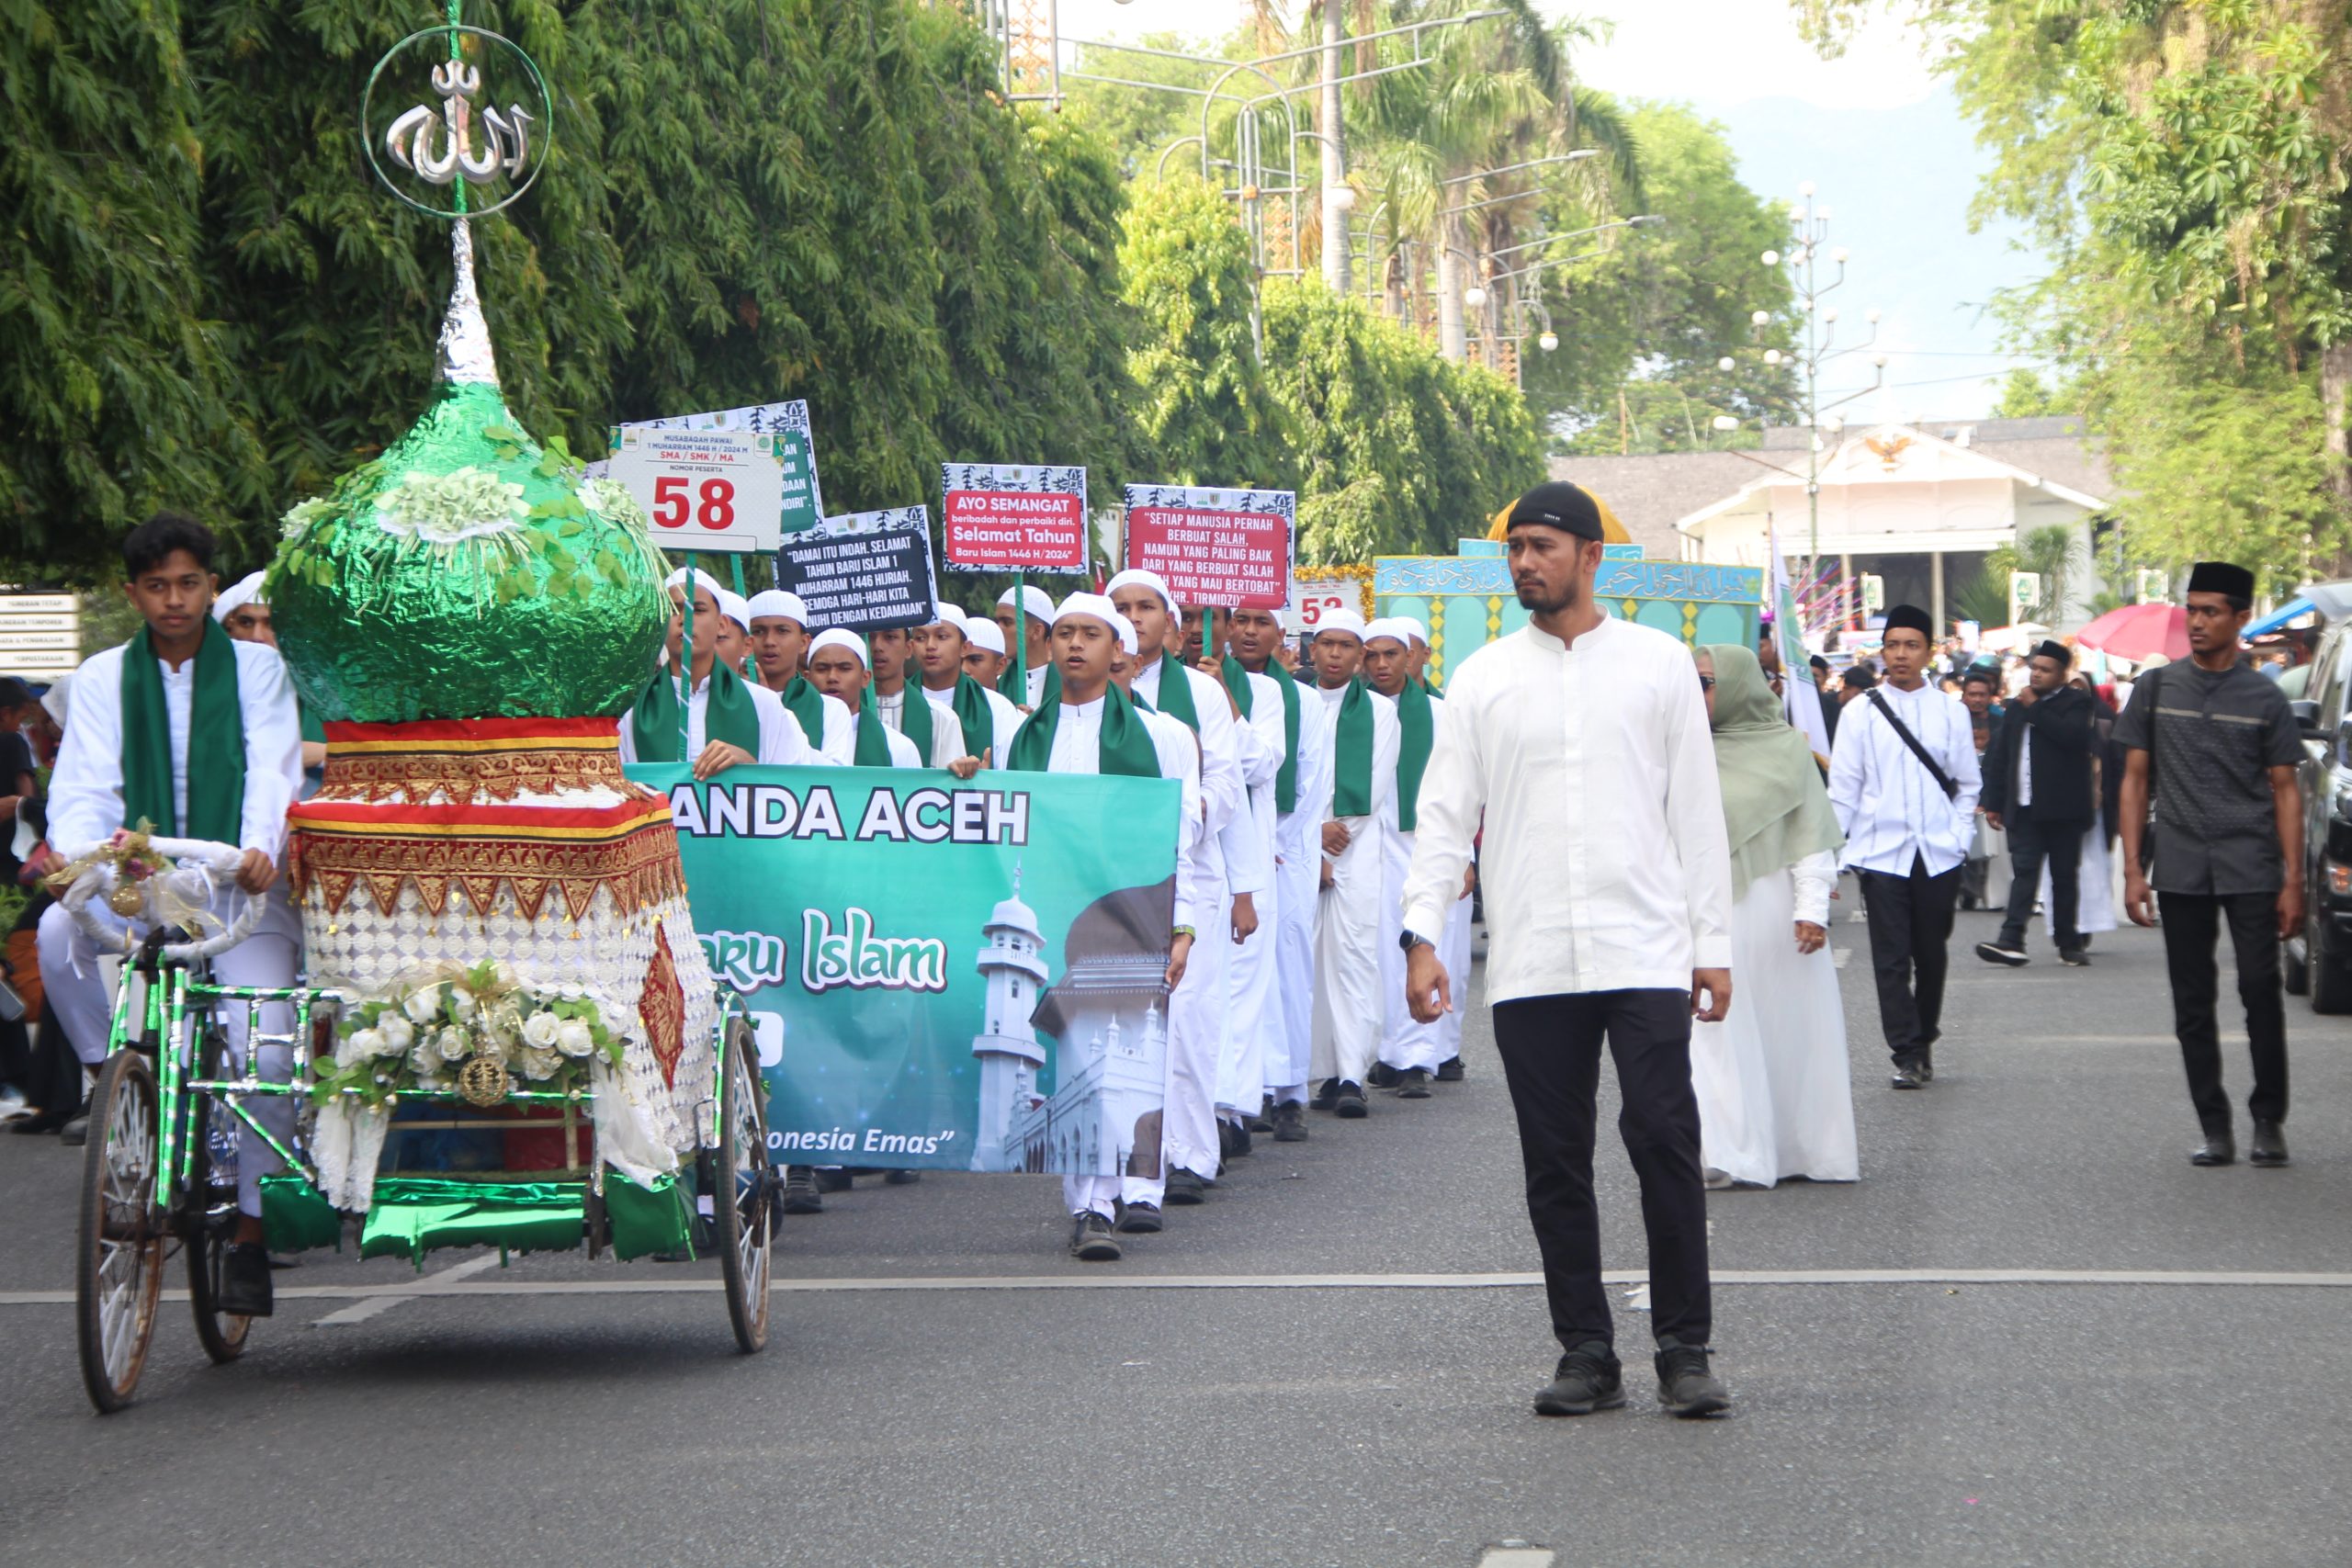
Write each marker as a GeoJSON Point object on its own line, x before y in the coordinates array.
{"type": "Point", "coordinates": [1943, 780]}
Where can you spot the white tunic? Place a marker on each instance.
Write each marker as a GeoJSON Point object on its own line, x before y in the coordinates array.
{"type": "Point", "coordinates": [1404, 1041]}
{"type": "Point", "coordinates": [1593, 773]}
{"type": "Point", "coordinates": [1255, 1026]}
{"type": "Point", "coordinates": [1298, 851]}
{"type": "Point", "coordinates": [1775, 1096]}
{"type": "Point", "coordinates": [781, 742]}
{"type": "Point", "coordinates": [946, 730]}
{"type": "Point", "coordinates": [1348, 1012]}
{"type": "Point", "coordinates": [1003, 719]}
{"type": "Point", "coordinates": [1886, 800]}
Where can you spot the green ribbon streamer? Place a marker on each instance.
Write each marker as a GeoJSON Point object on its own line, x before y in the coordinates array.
{"type": "Point", "coordinates": [1125, 747]}
{"type": "Point", "coordinates": [216, 742]}
{"type": "Point", "coordinates": [658, 723]}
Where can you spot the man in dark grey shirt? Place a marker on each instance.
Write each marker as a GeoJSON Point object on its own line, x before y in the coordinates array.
{"type": "Point", "coordinates": [2220, 745]}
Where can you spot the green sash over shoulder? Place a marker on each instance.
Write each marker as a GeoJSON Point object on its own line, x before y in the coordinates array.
{"type": "Point", "coordinates": [1351, 753]}
{"type": "Point", "coordinates": [873, 736]}
{"type": "Point", "coordinates": [216, 737]}
{"type": "Point", "coordinates": [1126, 744]}
{"type": "Point", "coordinates": [805, 703]}
{"type": "Point", "coordinates": [915, 718]}
{"type": "Point", "coordinates": [1236, 681]}
{"type": "Point", "coordinates": [729, 715]}
{"type": "Point", "coordinates": [1176, 693]}
{"type": "Point", "coordinates": [973, 712]}
{"type": "Point", "coordinates": [1417, 728]}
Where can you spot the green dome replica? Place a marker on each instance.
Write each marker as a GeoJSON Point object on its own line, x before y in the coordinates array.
{"type": "Point", "coordinates": [467, 572]}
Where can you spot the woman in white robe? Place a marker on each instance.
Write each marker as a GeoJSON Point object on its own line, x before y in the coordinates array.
{"type": "Point", "coordinates": [1774, 1092]}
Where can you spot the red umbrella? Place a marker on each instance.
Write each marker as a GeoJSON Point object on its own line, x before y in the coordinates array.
{"type": "Point", "coordinates": [2138, 631]}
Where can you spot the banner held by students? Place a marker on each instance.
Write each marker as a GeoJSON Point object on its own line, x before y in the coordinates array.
{"type": "Point", "coordinates": [866, 571]}
{"type": "Point", "coordinates": [1230, 547]}
{"type": "Point", "coordinates": [942, 975]}
{"type": "Point", "coordinates": [1013, 517]}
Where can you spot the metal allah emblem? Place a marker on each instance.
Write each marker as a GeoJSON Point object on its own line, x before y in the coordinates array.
{"type": "Point", "coordinates": [484, 155]}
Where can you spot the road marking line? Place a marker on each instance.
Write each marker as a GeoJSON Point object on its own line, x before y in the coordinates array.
{"type": "Point", "coordinates": [385, 1300]}
{"type": "Point", "coordinates": [428, 1289]}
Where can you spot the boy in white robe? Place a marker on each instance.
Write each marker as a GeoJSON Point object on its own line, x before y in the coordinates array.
{"type": "Point", "coordinates": [1348, 999]}
{"type": "Point", "coordinates": [780, 645]}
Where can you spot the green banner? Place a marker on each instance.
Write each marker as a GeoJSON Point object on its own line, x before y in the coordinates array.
{"type": "Point", "coordinates": [942, 975]}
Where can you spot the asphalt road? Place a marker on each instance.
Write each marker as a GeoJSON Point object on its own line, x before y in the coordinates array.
{"type": "Point", "coordinates": [1328, 1363]}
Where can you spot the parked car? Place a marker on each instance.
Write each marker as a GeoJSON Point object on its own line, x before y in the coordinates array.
{"type": "Point", "coordinates": [2319, 961]}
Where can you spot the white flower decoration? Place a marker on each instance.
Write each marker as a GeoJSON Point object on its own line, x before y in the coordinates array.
{"type": "Point", "coordinates": [422, 1059]}
{"type": "Point", "coordinates": [539, 1030]}
{"type": "Point", "coordinates": [302, 515]}
{"type": "Point", "coordinates": [462, 1006]}
{"type": "Point", "coordinates": [454, 1045]}
{"type": "Point", "coordinates": [541, 1064]}
{"type": "Point", "coordinates": [357, 1046]}
{"type": "Point", "coordinates": [573, 1038]}
{"type": "Point", "coordinates": [424, 1004]}
{"type": "Point", "coordinates": [396, 1034]}
{"type": "Point", "coordinates": [610, 500]}
{"type": "Point", "coordinates": [442, 509]}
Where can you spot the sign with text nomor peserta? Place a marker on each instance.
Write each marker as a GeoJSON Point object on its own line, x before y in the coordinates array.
{"type": "Point", "coordinates": [942, 974]}
{"type": "Point", "coordinates": [1013, 517]}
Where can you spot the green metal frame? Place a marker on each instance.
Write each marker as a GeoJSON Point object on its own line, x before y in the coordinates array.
{"type": "Point", "coordinates": [171, 1004]}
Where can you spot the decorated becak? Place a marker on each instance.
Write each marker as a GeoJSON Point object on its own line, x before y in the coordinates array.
{"type": "Point", "coordinates": [504, 907]}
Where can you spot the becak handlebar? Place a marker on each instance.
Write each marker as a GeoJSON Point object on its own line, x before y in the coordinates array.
{"type": "Point", "coordinates": [161, 882]}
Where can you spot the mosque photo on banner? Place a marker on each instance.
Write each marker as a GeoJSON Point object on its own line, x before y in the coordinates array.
{"type": "Point", "coordinates": [942, 974]}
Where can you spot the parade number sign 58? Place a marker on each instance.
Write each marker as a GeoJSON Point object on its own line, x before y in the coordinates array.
{"type": "Point", "coordinates": [704, 490]}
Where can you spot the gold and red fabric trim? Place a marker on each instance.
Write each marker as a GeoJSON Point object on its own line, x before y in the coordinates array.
{"type": "Point", "coordinates": [470, 760]}
{"type": "Point", "coordinates": [630, 848]}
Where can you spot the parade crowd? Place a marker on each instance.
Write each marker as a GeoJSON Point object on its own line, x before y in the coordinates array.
{"type": "Point", "coordinates": [1651, 830]}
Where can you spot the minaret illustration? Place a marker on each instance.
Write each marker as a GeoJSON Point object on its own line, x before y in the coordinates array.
{"type": "Point", "coordinates": [1012, 959]}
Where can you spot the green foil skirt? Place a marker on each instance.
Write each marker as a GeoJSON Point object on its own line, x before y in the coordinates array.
{"type": "Point", "coordinates": [411, 1215]}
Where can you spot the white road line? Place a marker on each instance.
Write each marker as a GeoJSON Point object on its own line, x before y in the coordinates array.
{"type": "Point", "coordinates": [433, 1286]}
{"type": "Point", "coordinates": [386, 1300]}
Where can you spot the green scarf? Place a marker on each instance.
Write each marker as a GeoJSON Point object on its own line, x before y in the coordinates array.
{"type": "Point", "coordinates": [729, 715]}
{"type": "Point", "coordinates": [914, 718]}
{"type": "Point", "coordinates": [1236, 681]}
{"type": "Point", "coordinates": [1351, 753]}
{"type": "Point", "coordinates": [805, 703]}
{"type": "Point", "coordinates": [1417, 727]}
{"type": "Point", "coordinates": [1286, 781]}
{"type": "Point", "coordinates": [216, 734]}
{"type": "Point", "coordinates": [973, 712]}
{"type": "Point", "coordinates": [1176, 693]}
{"type": "Point", "coordinates": [1775, 808]}
{"type": "Point", "coordinates": [1125, 746]}
{"type": "Point", "coordinates": [873, 735]}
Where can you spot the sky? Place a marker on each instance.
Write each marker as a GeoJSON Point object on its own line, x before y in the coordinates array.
{"type": "Point", "coordinates": [1880, 137]}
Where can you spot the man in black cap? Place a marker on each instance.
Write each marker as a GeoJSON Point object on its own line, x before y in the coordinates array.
{"type": "Point", "coordinates": [2220, 745]}
{"type": "Point", "coordinates": [1904, 780]}
{"type": "Point", "coordinates": [1580, 743]}
{"type": "Point", "coordinates": [2037, 789]}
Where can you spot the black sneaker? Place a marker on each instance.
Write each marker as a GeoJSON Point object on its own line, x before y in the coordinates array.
{"type": "Point", "coordinates": [1261, 1125]}
{"type": "Point", "coordinates": [1685, 1386]}
{"type": "Point", "coordinates": [1290, 1124]}
{"type": "Point", "coordinates": [1450, 1070]}
{"type": "Point", "coordinates": [1350, 1105]}
{"type": "Point", "coordinates": [245, 1280]}
{"type": "Point", "coordinates": [1327, 1095]}
{"type": "Point", "coordinates": [2073, 958]}
{"type": "Point", "coordinates": [1140, 1219]}
{"type": "Point", "coordinates": [902, 1178]}
{"type": "Point", "coordinates": [1184, 1189]}
{"type": "Point", "coordinates": [2001, 953]}
{"type": "Point", "coordinates": [1382, 1076]}
{"type": "Point", "coordinates": [1413, 1083]}
{"type": "Point", "coordinates": [1090, 1240]}
{"type": "Point", "coordinates": [801, 1194]}
{"type": "Point", "coordinates": [1589, 1378]}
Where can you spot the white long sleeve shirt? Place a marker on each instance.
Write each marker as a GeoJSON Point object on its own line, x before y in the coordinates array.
{"type": "Point", "coordinates": [1221, 790]}
{"type": "Point", "coordinates": [781, 741]}
{"type": "Point", "coordinates": [946, 730]}
{"type": "Point", "coordinates": [1005, 721]}
{"type": "Point", "coordinates": [1606, 865]}
{"type": "Point", "coordinates": [1298, 832]}
{"type": "Point", "coordinates": [1886, 801]}
{"type": "Point", "coordinates": [86, 792]}
{"type": "Point", "coordinates": [1814, 878]}
{"type": "Point", "coordinates": [1078, 749]}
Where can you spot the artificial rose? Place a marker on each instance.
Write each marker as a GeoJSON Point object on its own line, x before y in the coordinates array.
{"type": "Point", "coordinates": [574, 1038]}
{"type": "Point", "coordinates": [453, 1045]}
{"type": "Point", "coordinates": [422, 1059]}
{"type": "Point", "coordinates": [422, 1006]}
{"type": "Point", "coordinates": [357, 1046]}
{"type": "Point", "coordinates": [398, 1035]}
{"type": "Point", "coordinates": [462, 1006]}
{"type": "Point", "coordinates": [541, 1064]}
{"type": "Point", "coordinates": [539, 1031]}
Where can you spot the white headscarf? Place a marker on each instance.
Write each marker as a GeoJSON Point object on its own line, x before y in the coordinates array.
{"type": "Point", "coordinates": [247, 591]}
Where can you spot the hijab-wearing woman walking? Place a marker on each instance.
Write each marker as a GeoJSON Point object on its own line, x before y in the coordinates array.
{"type": "Point", "coordinates": [1775, 1097]}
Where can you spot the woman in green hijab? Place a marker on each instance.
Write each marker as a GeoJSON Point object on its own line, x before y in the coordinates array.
{"type": "Point", "coordinates": [1774, 1096]}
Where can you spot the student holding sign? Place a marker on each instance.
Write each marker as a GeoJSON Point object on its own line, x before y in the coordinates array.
{"type": "Point", "coordinates": [728, 720]}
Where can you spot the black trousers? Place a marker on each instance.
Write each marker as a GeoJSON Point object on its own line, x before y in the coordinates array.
{"type": "Point", "coordinates": [2192, 928]}
{"type": "Point", "coordinates": [1910, 919]}
{"type": "Point", "coordinates": [1551, 1051]}
{"type": "Point", "coordinates": [2032, 842]}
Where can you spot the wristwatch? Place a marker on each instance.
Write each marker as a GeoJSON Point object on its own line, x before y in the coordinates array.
{"type": "Point", "coordinates": [1411, 940]}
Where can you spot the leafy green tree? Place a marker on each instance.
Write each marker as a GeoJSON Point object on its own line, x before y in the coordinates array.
{"type": "Point", "coordinates": [1204, 413]}
{"type": "Point", "coordinates": [113, 381]}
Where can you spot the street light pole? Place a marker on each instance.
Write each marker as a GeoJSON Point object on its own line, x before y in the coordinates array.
{"type": "Point", "coordinates": [1335, 154]}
